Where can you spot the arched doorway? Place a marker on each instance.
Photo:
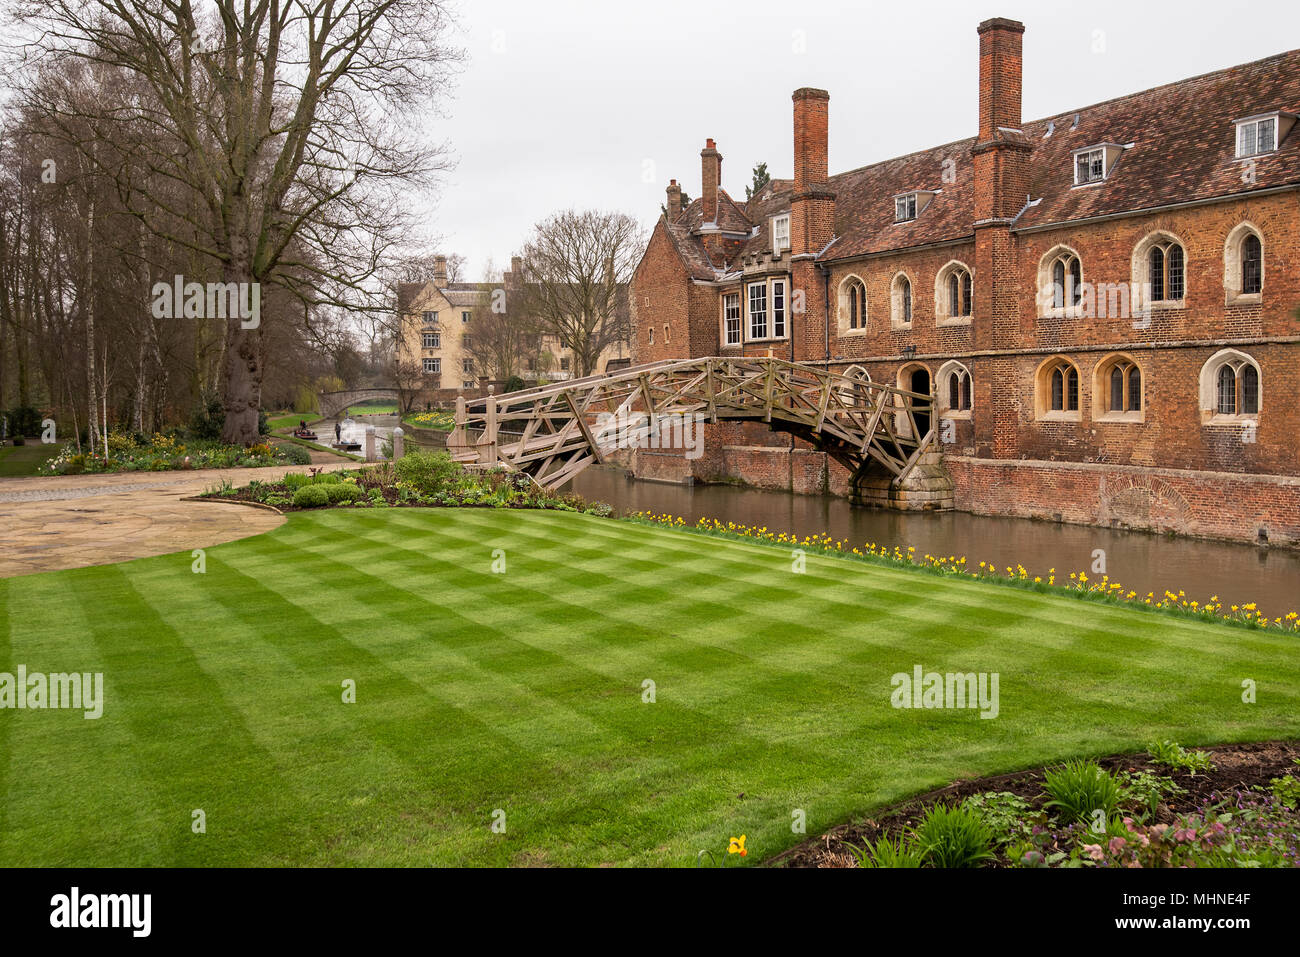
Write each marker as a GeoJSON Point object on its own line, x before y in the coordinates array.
{"type": "Point", "coordinates": [916, 379]}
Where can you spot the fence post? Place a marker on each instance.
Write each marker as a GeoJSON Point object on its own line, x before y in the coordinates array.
{"type": "Point", "coordinates": [370, 443]}
{"type": "Point", "coordinates": [399, 443]}
{"type": "Point", "coordinates": [487, 446]}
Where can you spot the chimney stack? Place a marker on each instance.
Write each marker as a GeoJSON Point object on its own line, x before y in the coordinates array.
{"type": "Point", "coordinates": [440, 270]}
{"type": "Point", "coordinates": [710, 177]}
{"type": "Point", "coordinates": [812, 206]}
{"type": "Point", "coordinates": [674, 204]}
{"type": "Point", "coordinates": [1001, 62]}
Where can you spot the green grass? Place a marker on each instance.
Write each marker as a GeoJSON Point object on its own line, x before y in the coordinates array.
{"type": "Point", "coordinates": [523, 691]}
{"type": "Point", "coordinates": [290, 420]}
{"type": "Point", "coordinates": [374, 407]}
{"type": "Point", "coordinates": [18, 460]}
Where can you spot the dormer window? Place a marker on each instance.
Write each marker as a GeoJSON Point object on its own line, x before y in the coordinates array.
{"type": "Point", "coordinates": [1089, 166]}
{"type": "Point", "coordinates": [905, 208]}
{"type": "Point", "coordinates": [780, 233]}
{"type": "Point", "coordinates": [1256, 135]}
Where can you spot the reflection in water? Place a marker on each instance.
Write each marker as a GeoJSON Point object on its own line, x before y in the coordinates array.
{"type": "Point", "coordinates": [354, 430]}
{"type": "Point", "coordinates": [1142, 561]}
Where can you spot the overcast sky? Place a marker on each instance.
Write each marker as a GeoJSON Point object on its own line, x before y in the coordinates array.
{"type": "Point", "coordinates": [577, 103]}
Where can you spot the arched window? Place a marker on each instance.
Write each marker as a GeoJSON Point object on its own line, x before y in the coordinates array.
{"type": "Point", "coordinates": [1058, 387]}
{"type": "Point", "coordinates": [853, 305]}
{"type": "Point", "coordinates": [901, 300]}
{"type": "Point", "coordinates": [1117, 389]}
{"type": "Point", "coordinates": [954, 387]}
{"type": "Point", "coordinates": [1166, 272]}
{"type": "Point", "coordinates": [1252, 265]}
{"type": "Point", "coordinates": [1061, 280]}
{"type": "Point", "coordinates": [856, 393]}
{"type": "Point", "coordinates": [954, 293]}
{"type": "Point", "coordinates": [1230, 386]}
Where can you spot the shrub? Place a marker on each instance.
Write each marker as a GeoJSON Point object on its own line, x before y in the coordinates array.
{"type": "Point", "coordinates": [429, 472]}
{"type": "Point", "coordinates": [338, 492]}
{"type": "Point", "coordinates": [952, 837]}
{"type": "Point", "coordinates": [1080, 789]}
{"type": "Point", "coordinates": [23, 420]}
{"type": "Point", "coordinates": [296, 454]}
{"type": "Point", "coordinates": [1173, 755]}
{"type": "Point", "coordinates": [311, 496]}
{"type": "Point", "coordinates": [327, 478]}
{"type": "Point", "coordinates": [514, 384]}
{"type": "Point", "coordinates": [296, 480]}
{"type": "Point", "coordinates": [885, 853]}
{"type": "Point", "coordinates": [208, 418]}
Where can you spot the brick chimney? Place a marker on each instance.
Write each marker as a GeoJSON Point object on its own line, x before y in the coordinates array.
{"type": "Point", "coordinates": [812, 205]}
{"type": "Point", "coordinates": [1000, 167]}
{"type": "Point", "coordinates": [674, 204]}
{"type": "Point", "coordinates": [440, 270]}
{"type": "Point", "coordinates": [710, 178]}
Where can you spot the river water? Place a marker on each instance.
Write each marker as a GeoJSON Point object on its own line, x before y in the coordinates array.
{"type": "Point", "coordinates": [1237, 574]}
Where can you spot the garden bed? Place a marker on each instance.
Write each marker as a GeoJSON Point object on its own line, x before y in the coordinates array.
{"type": "Point", "coordinates": [1183, 805]}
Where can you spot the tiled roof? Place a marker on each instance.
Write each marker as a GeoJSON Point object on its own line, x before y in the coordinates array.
{"type": "Point", "coordinates": [1183, 149]}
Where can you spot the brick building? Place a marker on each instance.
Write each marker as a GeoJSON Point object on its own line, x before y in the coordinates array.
{"type": "Point", "coordinates": [1102, 303]}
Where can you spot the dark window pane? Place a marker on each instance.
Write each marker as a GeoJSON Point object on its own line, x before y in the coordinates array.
{"type": "Point", "coordinates": [1175, 262]}
{"type": "Point", "coordinates": [1116, 390]}
{"type": "Point", "coordinates": [1157, 259]}
{"type": "Point", "coordinates": [1072, 391]}
{"type": "Point", "coordinates": [967, 303]}
{"type": "Point", "coordinates": [1134, 390]}
{"type": "Point", "coordinates": [954, 391]}
{"type": "Point", "coordinates": [1076, 282]}
{"type": "Point", "coordinates": [1249, 391]}
{"type": "Point", "coordinates": [1058, 390]}
{"type": "Point", "coordinates": [1058, 284]}
{"type": "Point", "coordinates": [1227, 389]}
{"type": "Point", "coordinates": [965, 392]}
{"type": "Point", "coordinates": [1252, 265]}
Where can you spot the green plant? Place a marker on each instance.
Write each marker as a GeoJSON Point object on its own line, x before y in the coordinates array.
{"type": "Point", "coordinates": [428, 471]}
{"type": "Point", "coordinates": [886, 853]}
{"type": "Point", "coordinates": [296, 454]}
{"type": "Point", "coordinates": [1146, 789]}
{"type": "Point", "coordinates": [208, 418]}
{"type": "Point", "coordinates": [1286, 790]}
{"type": "Point", "coordinates": [311, 496]}
{"type": "Point", "coordinates": [951, 837]}
{"type": "Point", "coordinates": [1005, 813]}
{"type": "Point", "coordinates": [1173, 755]}
{"type": "Point", "coordinates": [296, 480]}
{"type": "Point", "coordinates": [337, 492]}
{"type": "Point", "coordinates": [1080, 789]}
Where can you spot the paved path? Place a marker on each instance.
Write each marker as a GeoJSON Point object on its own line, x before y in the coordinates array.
{"type": "Point", "coordinates": [70, 521]}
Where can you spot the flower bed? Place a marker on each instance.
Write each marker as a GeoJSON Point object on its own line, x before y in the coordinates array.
{"type": "Point", "coordinates": [418, 480]}
{"type": "Point", "coordinates": [166, 452]}
{"type": "Point", "coordinates": [1234, 806]}
{"type": "Point", "coordinates": [1077, 583]}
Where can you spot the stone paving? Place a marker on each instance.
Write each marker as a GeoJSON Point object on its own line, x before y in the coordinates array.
{"type": "Point", "coordinates": [71, 521]}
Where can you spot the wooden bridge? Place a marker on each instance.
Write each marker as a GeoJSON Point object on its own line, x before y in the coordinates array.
{"type": "Point", "coordinates": [553, 432]}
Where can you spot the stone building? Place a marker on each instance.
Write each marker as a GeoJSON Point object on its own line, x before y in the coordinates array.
{"type": "Point", "coordinates": [1102, 303]}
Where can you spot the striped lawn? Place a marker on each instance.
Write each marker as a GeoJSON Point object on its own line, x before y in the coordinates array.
{"type": "Point", "coordinates": [523, 692]}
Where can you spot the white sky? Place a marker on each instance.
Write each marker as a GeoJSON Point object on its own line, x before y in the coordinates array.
{"type": "Point", "coordinates": [585, 104]}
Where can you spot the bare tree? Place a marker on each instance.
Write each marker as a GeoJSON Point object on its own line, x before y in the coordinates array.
{"type": "Point", "coordinates": [272, 139]}
{"type": "Point", "coordinates": [503, 338]}
{"type": "Point", "coordinates": [577, 266]}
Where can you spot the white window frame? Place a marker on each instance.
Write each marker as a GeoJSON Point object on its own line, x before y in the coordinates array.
{"type": "Point", "coordinates": [467, 366]}
{"type": "Point", "coordinates": [430, 317]}
{"type": "Point", "coordinates": [756, 332]}
{"type": "Point", "coordinates": [1093, 155]}
{"type": "Point", "coordinates": [781, 233]}
{"type": "Point", "coordinates": [728, 318]}
{"type": "Point", "coordinates": [430, 340]}
{"type": "Point", "coordinates": [465, 315]}
{"type": "Point", "coordinates": [432, 366]}
{"type": "Point", "coordinates": [1253, 124]}
{"type": "Point", "coordinates": [780, 314]}
{"type": "Point", "coordinates": [906, 207]}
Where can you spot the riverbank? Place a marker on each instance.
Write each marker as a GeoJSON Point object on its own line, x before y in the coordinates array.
{"type": "Point", "coordinates": [621, 694]}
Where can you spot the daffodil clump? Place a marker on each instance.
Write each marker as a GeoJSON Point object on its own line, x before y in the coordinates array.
{"type": "Point", "coordinates": [1079, 583]}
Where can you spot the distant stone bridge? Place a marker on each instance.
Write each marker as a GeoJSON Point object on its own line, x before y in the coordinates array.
{"type": "Point", "coordinates": [332, 403]}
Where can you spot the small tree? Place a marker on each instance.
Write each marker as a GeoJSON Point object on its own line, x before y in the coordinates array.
{"type": "Point", "coordinates": [761, 179]}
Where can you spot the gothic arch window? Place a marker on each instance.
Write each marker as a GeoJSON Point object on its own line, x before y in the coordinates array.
{"type": "Point", "coordinates": [1160, 270]}
{"type": "Point", "coordinates": [1243, 265]}
{"type": "Point", "coordinates": [853, 306]}
{"type": "Point", "coordinates": [1231, 388]}
{"type": "Point", "coordinates": [856, 393]}
{"type": "Point", "coordinates": [954, 391]}
{"type": "Point", "coordinates": [901, 300]}
{"type": "Point", "coordinates": [954, 293]}
{"type": "Point", "coordinates": [1117, 390]}
{"type": "Point", "coordinates": [1060, 282]}
{"type": "Point", "coordinates": [1057, 389]}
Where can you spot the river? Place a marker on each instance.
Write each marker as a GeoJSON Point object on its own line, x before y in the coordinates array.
{"type": "Point", "coordinates": [1237, 574]}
